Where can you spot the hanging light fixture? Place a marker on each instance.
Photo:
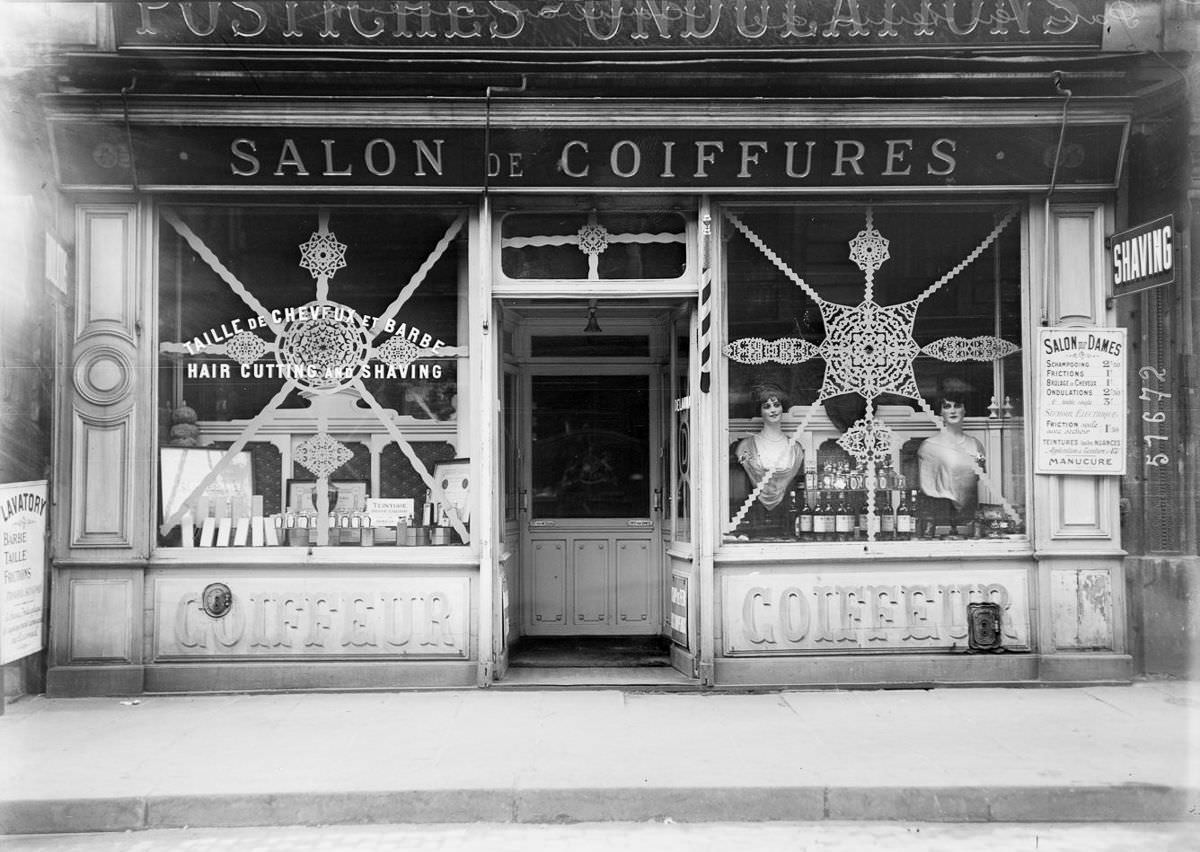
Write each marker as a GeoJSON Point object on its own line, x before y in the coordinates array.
{"type": "Point", "coordinates": [592, 326]}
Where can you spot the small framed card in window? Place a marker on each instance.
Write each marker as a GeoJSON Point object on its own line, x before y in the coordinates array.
{"type": "Point", "coordinates": [347, 496]}
{"type": "Point", "coordinates": [454, 478]}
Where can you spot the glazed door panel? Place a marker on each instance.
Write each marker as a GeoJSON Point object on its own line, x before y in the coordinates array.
{"type": "Point", "coordinates": [593, 477]}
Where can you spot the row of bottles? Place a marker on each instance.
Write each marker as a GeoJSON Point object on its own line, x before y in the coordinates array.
{"type": "Point", "coordinates": [842, 476]}
{"type": "Point", "coordinates": [355, 526]}
{"type": "Point", "coordinates": [842, 515]}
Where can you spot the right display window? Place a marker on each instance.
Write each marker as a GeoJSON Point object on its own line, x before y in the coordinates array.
{"type": "Point", "coordinates": [874, 365]}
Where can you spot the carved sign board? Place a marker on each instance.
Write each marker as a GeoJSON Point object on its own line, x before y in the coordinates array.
{"type": "Point", "coordinates": [23, 512]}
{"type": "Point", "coordinates": [328, 617]}
{"type": "Point", "coordinates": [1081, 400]}
{"type": "Point", "coordinates": [768, 613]}
{"type": "Point", "coordinates": [631, 27]}
{"type": "Point", "coordinates": [579, 158]}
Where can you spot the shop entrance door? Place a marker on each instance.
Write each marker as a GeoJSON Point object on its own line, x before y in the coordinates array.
{"type": "Point", "coordinates": [591, 551]}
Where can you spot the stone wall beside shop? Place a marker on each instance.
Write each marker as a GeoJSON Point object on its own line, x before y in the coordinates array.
{"type": "Point", "coordinates": [1164, 625]}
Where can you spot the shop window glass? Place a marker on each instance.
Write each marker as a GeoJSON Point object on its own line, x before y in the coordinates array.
{"type": "Point", "coordinates": [589, 446]}
{"type": "Point", "coordinates": [610, 245]}
{"type": "Point", "coordinates": [875, 373]}
{"type": "Point", "coordinates": [680, 495]}
{"type": "Point", "coordinates": [308, 376]}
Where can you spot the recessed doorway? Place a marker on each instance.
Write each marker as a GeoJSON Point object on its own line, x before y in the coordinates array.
{"type": "Point", "coordinates": [586, 402]}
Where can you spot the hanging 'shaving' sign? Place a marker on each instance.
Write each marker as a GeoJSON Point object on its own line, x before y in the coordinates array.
{"type": "Point", "coordinates": [1143, 257]}
{"type": "Point", "coordinates": [615, 25]}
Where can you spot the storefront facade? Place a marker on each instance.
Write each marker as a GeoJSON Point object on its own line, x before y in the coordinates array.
{"type": "Point", "coordinates": [815, 376]}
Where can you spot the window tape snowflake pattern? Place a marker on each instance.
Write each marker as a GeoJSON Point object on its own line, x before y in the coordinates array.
{"type": "Point", "coordinates": [397, 352]}
{"type": "Point", "coordinates": [757, 350]}
{"type": "Point", "coordinates": [321, 455]}
{"type": "Point", "coordinates": [322, 255]}
{"type": "Point", "coordinates": [869, 249]}
{"type": "Point", "coordinates": [983, 348]}
{"type": "Point", "coordinates": [245, 347]}
{"type": "Point", "coordinates": [322, 348]}
{"type": "Point", "coordinates": [593, 239]}
{"type": "Point", "coordinates": [867, 441]}
{"type": "Point", "coordinates": [868, 348]}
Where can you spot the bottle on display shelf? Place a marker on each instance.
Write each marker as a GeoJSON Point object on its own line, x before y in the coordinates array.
{"type": "Point", "coordinates": [854, 480]}
{"type": "Point", "coordinates": [887, 516]}
{"type": "Point", "coordinates": [905, 520]}
{"type": "Point", "coordinates": [822, 518]}
{"type": "Point", "coordinates": [826, 476]}
{"type": "Point", "coordinates": [839, 477]}
{"type": "Point", "coordinates": [843, 519]}
{"type": "Point", "coordinates": [810, 480]}
{"type": "Point", "coordinates": [351, 527]}
{"type": "Point", "coordinates": [817, 523]}
{"type": "Point", "coordinates": [804, 520]}
{"type": "Point", "coordinates": [427, 510]}
{"type": "Point", "coordinates": [863, 525]}
{"type": "Point", "coordinates": [367, 538]}
{"type": "Point", "coordinates": [793, 512]}
{"type": "Point", "coordinates": [830, 517]}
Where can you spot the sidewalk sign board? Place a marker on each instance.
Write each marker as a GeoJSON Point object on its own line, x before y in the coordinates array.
{"type": "Point", "coordinates": [23, 511]}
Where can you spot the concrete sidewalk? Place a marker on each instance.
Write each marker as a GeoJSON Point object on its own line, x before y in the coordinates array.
{"type": "Point", "coordinates": [1081, 754]}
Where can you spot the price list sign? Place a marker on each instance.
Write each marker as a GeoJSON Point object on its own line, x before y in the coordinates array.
{"type": "Point", "coordinates": [1081, 400]}
{"type": "Point", "coordinates": [23, 509]}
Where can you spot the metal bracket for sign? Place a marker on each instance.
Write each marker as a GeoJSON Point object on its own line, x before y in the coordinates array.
{"type": "Point", "coordinates": [1112, 297]}
{"type": "Point", "coordinates": [543, 523]}
{"type": "Point", "coordinates": [640, 523]}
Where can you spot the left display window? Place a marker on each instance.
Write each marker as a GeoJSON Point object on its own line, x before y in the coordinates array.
{"type": "Point", "coordinates": [308, 376]}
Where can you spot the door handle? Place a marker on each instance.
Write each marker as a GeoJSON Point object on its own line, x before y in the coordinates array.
{"type": "Point", "coordinates": [523, 500]}
{"type": "Point", "coordinates": [658, 500]}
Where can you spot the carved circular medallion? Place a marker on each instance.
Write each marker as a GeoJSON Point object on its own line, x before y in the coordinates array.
{"type": "Point", "coordinates": [324, 347]}
{"type": "Point", "coordinates": [103, 375]}
{"type": "Point", "coordinates": [217, 599]}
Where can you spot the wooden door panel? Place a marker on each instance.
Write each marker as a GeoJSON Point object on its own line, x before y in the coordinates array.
{"type": "Point", "coordinates": [634, 580]}
{"type": "Point", "coordinates": [590, 575]}
{"type": "Point", "coordinates": [549, 591]}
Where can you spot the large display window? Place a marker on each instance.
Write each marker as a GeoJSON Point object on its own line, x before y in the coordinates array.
{"type": "Point", "coordinates": [308, 376]}
{"type": "Point", "coordinates": [875, 373]}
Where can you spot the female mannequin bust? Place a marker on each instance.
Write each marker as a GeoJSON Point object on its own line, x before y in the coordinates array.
{"type": "Point", "coordinates": [947, 461]}
{"type": "Point", "coordinates": [771, 452]}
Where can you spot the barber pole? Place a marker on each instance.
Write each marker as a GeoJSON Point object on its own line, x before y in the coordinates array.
{"type": "Point", "coordinates": [705, 301]}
